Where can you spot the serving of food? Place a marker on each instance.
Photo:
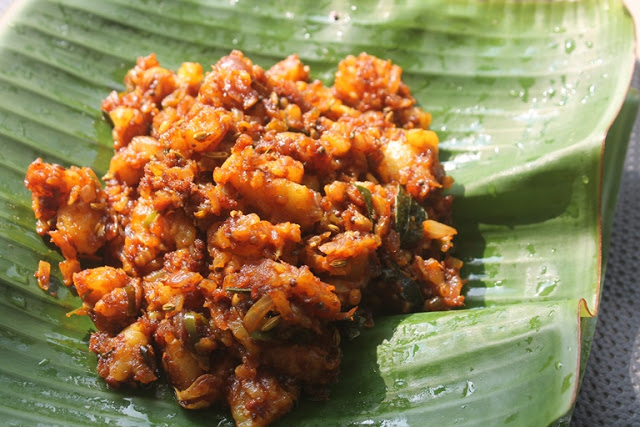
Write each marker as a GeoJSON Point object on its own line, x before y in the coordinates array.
{"type": "Point", "coordinates": [249, 221]}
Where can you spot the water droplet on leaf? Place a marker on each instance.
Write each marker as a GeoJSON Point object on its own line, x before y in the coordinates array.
{"type": "Point", "coordinates": [569, 46]}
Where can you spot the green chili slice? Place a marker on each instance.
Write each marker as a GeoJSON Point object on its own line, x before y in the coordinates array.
{"type": "Point", "coordinates": [191, 320]}
{"type": "Point", "coordinates": [132, 307]}
{"type": "Point", "coordinates": [150, 218]}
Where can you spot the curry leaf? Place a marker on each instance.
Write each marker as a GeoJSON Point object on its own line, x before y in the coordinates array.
{"type": "Point", "coordinates": [409, 218]}
{"type": "Point", "coordinates": [409, 288]}
{"type": "Point", "coordinates": [366, 195]}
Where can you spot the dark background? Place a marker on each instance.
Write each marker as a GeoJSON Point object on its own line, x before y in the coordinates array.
{"type": "Point", "coordinates": [610, 393]}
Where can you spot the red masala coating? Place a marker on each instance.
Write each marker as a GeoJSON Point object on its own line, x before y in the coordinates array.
{"type": "Point", "coordinates": [247, 217]}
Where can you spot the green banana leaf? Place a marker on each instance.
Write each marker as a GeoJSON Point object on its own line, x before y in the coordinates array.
{"type": "Point", "coordinates": [523, 95]}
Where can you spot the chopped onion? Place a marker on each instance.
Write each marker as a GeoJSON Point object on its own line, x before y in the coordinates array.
{"type": "Point", "coordinates": [239, 332]}
{"type": "Point", "coordinates": [254, 317]}
{"type": "Point", "coordinates": [437, 230]}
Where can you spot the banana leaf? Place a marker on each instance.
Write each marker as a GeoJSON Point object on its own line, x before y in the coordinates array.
{"type": "Point", "coordinates": [523, 95]}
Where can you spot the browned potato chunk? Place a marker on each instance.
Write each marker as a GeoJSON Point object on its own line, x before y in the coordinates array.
{"type": "Point", "coordinates": [259, 401]}
{"type": "Point", "coordinates": [127, 358]}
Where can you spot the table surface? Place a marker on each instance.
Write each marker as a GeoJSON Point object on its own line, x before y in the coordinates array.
{"type": "Point", "coordinates": [610, 392]}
